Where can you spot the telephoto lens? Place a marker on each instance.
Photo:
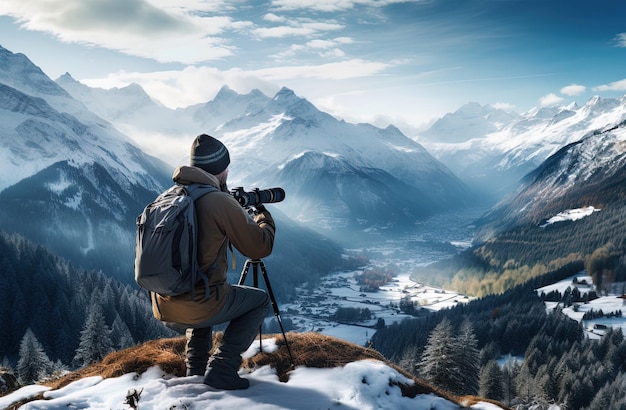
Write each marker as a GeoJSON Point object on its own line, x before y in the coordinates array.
{"type": "Point", "coordinates": [257, 196]}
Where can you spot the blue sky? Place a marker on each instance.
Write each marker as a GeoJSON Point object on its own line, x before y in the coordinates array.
{"type": "Point", "coordinates": [406, 61]}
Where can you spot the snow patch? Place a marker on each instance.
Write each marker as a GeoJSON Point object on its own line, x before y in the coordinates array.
{"type": "Point", "coordinates": [570, 215]}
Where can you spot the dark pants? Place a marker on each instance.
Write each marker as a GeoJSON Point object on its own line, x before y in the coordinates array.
{"type": "Point", "coordinates": [245, 308]}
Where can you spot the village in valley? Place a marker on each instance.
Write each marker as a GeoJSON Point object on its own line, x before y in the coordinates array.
{"type": "Point", "coordinates": [342, 307]}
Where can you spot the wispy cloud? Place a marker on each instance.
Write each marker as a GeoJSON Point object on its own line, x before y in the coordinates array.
{"type": "Point", "coordinates": [295, 27]}
{"type": "Point", "coordinates": [550, 99]}
{"type": "Point", "coordinates": [614, 86]}
{"type": "Point", "coordinates": [135, 27]}
{"type": "Point", "coordinates": [573, 90]}
{"type": "Point", "coordinates": [331, 71]}
{"type": "Point", "coordinates": [182, 88]}
{"type": "Point", "coordinates": [620, 39]}
{"type": "Point", "coordinates": [333, 5]}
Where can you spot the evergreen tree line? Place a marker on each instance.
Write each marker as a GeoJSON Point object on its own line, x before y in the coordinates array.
{"type": "Point", "coordinates": [528, 251]}
{"type": "Point", "coordinates": [503, 323]}
{"type": "Point", "coordinates": [456, 349]}
{"type": "Point", "coordinates": [577, 373]}
{"type": "Point", "coordinates": [56, 313]}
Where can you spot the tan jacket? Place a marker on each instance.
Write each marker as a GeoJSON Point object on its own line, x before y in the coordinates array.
{"type": "Point", "coordinates": [220, 219]}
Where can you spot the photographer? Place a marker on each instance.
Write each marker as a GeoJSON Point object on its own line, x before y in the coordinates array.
{"type": "Point", "coordinates": [222, 221]}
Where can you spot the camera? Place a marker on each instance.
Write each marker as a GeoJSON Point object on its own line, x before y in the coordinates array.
{"type": "Point", "coordinates": [257, 196]}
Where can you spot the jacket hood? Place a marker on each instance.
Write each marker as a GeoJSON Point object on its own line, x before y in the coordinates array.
{"type": "Point", "coordinates": [189, 174]}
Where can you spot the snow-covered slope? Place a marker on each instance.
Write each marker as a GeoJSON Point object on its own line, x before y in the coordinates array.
{"type": "Point", "coordinates": [470, 121]}
{"type": "Point", "coordinates": [68, 179]}
{"type": "Point", "coordinates": [500, 158]}
{"type": "Point", "coordinates": [41, 125]}
{"type": "Point", "coordinates": [590, 172]}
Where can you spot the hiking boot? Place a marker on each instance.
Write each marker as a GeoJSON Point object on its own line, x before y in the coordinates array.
{"type": "Point", "coordinates": [225, 380]}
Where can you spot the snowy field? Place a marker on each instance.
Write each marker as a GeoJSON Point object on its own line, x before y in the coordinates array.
{"type": "Point", "coordinates": [340, 290]}
{"type": "Point", "coordinates": [612, 302]}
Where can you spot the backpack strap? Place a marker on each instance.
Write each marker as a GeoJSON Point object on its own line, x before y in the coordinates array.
{"type": "Point", "coordinates": [196, 191]}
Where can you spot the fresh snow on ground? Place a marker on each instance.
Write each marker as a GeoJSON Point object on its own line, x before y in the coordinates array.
{"type": "Point", "coordinates": [611, 302]}
{"type": "Point", "coordinates": [360, 385]}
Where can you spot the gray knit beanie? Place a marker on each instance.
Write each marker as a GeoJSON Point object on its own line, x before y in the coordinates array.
{"type": "Point", "coordinates": [209, 154]}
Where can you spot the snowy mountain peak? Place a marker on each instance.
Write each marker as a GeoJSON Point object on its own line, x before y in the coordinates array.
{"type": "Point", "coordinates": [225, 93]}
{"type": "Point", "coordinates": [17, 71]}
{"type": "Point", "coordinates": [470, 121]}
{"type": "Point", "coordinates": [285, 94]}
{"type": "Point", "coordinates": [65, 79]}
{"type": "Point", "coordinates": [598, 105]}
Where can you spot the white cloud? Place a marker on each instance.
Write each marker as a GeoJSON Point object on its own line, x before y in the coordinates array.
{"type": "Point", "coordinates": [621, 39]}
{"type": "Point", "coordinates": [614, 86]}
{"type": "Point", "coordinates": [282, 31]}
{"type": "Point", "coordinates": [504, 106]}
{"type": "Point", "coordinates": [295, 27]}
{"type": "Point", "coordinates": [162, 30]}
{"type": "Point", "coordinates": [573, 89]}
{"type": "Point", "coordinates": [200, 84]}
{"type": "Point", "coordinates": [332, 5]}
{"type": "Point", "coordinates": [344, 40]}
{"type": "Point", "coordinates": [274, 18]}
{"type": "Point", "coordinates": [321, 44]}
{"type": "Point", "coordinates": [550, 99]}
{"type": "Point", "coordinates": [331, 71]}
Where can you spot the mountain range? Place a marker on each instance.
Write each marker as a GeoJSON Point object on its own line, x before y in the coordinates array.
{"type": "Point", "coordinates": [584, 173]}
{"type": "Point", "coordinates": [495, 149]}
{"type": "Point", "coordinates": [72, 182]}
{"type": "Point", "coordinates": [338, 176]}
{"type": "Point", "coordinates": [74, 176]}
{"type": "Point", "coordinates": [66, 145]}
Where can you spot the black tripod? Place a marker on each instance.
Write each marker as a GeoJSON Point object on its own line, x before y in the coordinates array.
{"type": "Point", "coordinates": [256, 263]}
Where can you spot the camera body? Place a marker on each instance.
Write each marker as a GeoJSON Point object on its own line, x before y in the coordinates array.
{"type": "Point", "coordinates": [257, 196]}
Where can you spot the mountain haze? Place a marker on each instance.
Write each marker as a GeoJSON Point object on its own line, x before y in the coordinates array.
{"type": "Point", "coordinates": [336, 174]}
{"type": "Point", "coordinates": [75, 184]}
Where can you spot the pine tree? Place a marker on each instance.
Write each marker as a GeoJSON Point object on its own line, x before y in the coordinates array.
{"type": "Point", "coordinates": [33, 364]}
{"type": "Point", "coordinates": [467, 361]}
{"type": "Point", "coordinates": [95, 338]}
{"type": "Point", "coordinates": [438, 360]}
{"type": "Point", "coordinates": [491, 385]}
{"type": "Point", "coordinates": [120, 334]}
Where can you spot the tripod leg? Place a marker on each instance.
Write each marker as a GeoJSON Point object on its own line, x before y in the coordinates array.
{"type": "Point", "coordinates": [255, 281]}
{"type": "Point", "coordinates": [275, 307]}
{"type": "Point", "coordinates": [244, 272]}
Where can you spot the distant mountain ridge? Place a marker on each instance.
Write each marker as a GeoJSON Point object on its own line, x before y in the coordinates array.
{"type": "Point", "coordinates": [588, 172]}
{"type": "Point", "coordinates": [506, 151]}
{"type": "Point", "coordinates": [376, 178]}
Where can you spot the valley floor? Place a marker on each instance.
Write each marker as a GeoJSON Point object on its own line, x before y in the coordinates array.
{"type": "Point", "coordinates": [313, 309]}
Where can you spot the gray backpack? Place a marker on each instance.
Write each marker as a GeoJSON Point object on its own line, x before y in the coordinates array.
{"type": "Point", "coordinates": [166, 259]}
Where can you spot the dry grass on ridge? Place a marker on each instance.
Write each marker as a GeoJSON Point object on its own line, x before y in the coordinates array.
{"type": "Point", "coordinates": [308, 349]}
